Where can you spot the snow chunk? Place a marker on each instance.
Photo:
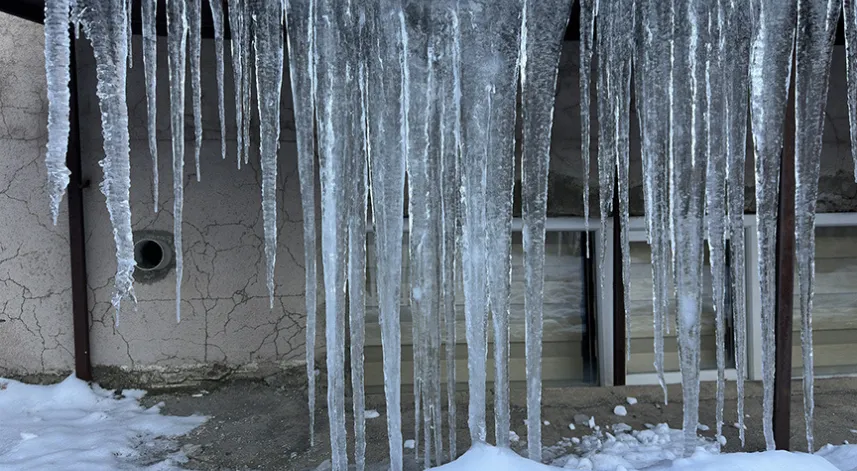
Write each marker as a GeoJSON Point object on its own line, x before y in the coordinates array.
{"type": "Point", "coordinates": [513, 437]}
{"type": "Point", "coordinates": [372, 414]}
{"type": "Point", "coordinates": [620, 411]}
{"type": "Point", "coordinates": [631, 400]}
{"type": "Point", "coordinates": [572, 427]}
{"type": "Point", "coordinates": [409, 444]}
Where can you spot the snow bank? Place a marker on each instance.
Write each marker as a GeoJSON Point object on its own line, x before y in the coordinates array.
{"type": "Point", "coordinates": [74, 426]}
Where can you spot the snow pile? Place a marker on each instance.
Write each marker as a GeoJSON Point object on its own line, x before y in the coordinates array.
{"type": "Point", "coordinates": [659, 448]}
{"type": "Point", "coordinates": [73, 426]}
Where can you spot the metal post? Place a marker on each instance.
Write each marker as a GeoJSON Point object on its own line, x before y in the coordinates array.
{"type": "Point", "coordinates": [76, 234]}
{"type": "Point", "coordinates": [785, 278]}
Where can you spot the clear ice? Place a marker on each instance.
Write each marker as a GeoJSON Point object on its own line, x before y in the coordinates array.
{"type": "Point", "coordinates": [194, 21]}
{"type": "Point", "coordinates": [57, 63]}
{"type": "Point", "coordinates": [150, 64]}
{"type": "Point", "coordinates": [217, 22]}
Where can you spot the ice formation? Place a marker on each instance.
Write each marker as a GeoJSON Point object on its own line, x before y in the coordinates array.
{"type": "Point", "coordinates": [57, 60]}
{"type": "Point", "coordinates": [430, 90]}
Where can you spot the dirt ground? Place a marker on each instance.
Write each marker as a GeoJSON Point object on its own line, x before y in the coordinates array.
{"type": "Point", "coordinates": [264, 425]}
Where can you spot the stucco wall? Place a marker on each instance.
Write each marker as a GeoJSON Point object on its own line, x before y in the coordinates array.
{"type": "Point", "coordinates": [35, 284]}
{"type": "Point", "coordinates": [227, 327]}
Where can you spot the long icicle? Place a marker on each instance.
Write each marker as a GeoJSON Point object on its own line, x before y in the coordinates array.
{"type": "Point", "coordinates": [735, 62]}
{"type": "Point", "coordinates": [587, 29]}
{"type": "Point", "coordinates": [268, 40]}
{"type": "Point", "coordinates": [544, 24]}
{"type": "Point", "coordinates": [236, 30]}
{"type": "Point", "coordinates": [333, 145]}
{"type": "Point", "coordinates": [150, 65]}
{"type": "Point", "coordinates": [177, 43]}
{"type": "Point", "coordinates": [217, 22]}
{"type": "Point", "coordinates": [715, 197]}
{"type": "Point", "coordinates": [57, 63]}
{"type": "Point", "coordinates": [194, 13]}
{"type": "Point", "coordinates": [770, 69]}
{"type": "Point", "coordinates": [388, 137]}
{"type": "Point", "coordinates": [300, 26]}
{"type": "Point", "coordinates": [816, 31]}
{"type": "Point", "coordinates": [849, 15]}
{"type": "Point", "coordinates": [499, 197]}
{"type": "Point", "coordinates": [104, 25]}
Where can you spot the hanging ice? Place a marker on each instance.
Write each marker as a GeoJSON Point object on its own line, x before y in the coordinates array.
{"type": "Point", "coordinates": [587, 28]}
{"type": "Point", "coordinates": [388, 138]}
{"type": "Point", "coordinates": [358, 195]}
{"type": "Point", "coordinates": [176, 46]}
{"type": "Point", "coordinates": [499, 121]}
{"type": "Point", "coordinates": [150, 64]}
{"type": "Point", "coordinates": [770, 67]}
{"type": "Point", "coordinates": [849, 12]}
{"type": "Point", "coordinates": [653, 73]}
{"type": "Point", "coordinates": [57, 62]}
{"type": "Point", "coordinates": [687, 182]}
{"type": "Point", "coordinates": [300, 26]}
{"type": "Point", "coordinates": [816, 30]}
{"type": "Point", "coordinates": [543, 29]}
{"type": "Point", "coordinates": [237, 30]}
{"type": "Point", "coordinates": [194, 15]}
{"type": "Point", "coordinates": [217, 23]}
{"type": "Point", "coordinates": [715, 192]}
{"type": "Point", "coordinates": [104, 25]}
{"type": "Point", "coordinates": [735, 59]}
{"type": "Point", "coordinates": [268, 40]}
{"type": "Point", "coordinates": [246, 76]}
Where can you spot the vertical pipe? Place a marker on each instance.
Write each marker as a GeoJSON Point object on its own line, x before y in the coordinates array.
{"type": "Point", "coordinates": [76, 234]}
{"type": "Point", "coordinates": [785, 268]}
{"type": "Point", "coordinates": [618, 296]}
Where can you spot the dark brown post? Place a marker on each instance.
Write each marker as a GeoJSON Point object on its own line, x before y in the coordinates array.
{"type": "Point", "coordinates": [76, 234]}
{"type": "Point", "coordinates": [618, 295]}
{"type": "Point", "coordinates": [785, 278]}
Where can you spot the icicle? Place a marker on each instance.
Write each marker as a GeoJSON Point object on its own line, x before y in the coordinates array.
{"type": "Point", "coordinates": [357, 153]}
{"type": "Point", "coordinates": [268, 40]}
{"type": "Point", "coordinates": [447, 36]}
{"type": "Point", "coordinates": [300, 26]}
{"type": "Point", "coordinates": [770, 67]}
{"type": "Point", "coordinates": [850, 21]}
{"type": "Point", "coordinates": [246, 77]}
{"type": "Point", "coordinates": [735, 59]}
{"type": "Point", "coordinates": [150, 64]}
{"type": "Point", "coordinates": [176, 45]}
{"type": "Point", "coordinates": [57, 63]}
{"type": "Point", "coordinates": [587, 28]}
{"type": "Point", "coordinates": [104, 25]}
{"type": "Point", "coordinates": [606, 125]}
{"type": "Point", "coordinates": [542, 33]}
{"type": "Point", "coordinates": [816, 31]}
{"type": "Point", "coordinates": [194, 12]}
{"type": "Point", "coordinates": [499, 189]}
{"type": "Point", "coordinates": [653, 71]}
{"type": "Point", "coordinates": [129, 32]}
{"type": "Point", "coordinates": [237, 31]}
{"type": "Point", "coordinates": [388, 137]}
{"type": "Point", "coordinates": [687, 180]}
{"type": "Point", "coordinates": [715, 196]}
{"type": "Point", "coordinates": [333, 131]}
{"type": "Point", "coordinates": [217, 22]}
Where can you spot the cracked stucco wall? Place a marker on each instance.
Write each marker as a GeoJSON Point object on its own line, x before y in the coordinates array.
{"type": "Point", "coordinates": [35, 284]}
{"type": "Point", "coordinates": [226, 326]}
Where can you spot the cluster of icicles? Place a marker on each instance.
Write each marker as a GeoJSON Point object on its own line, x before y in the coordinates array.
{"type": "Point", "coordinates": [385, 88]}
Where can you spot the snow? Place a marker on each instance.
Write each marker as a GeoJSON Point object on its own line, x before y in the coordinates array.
{"type": "Point", "coordinates": [372, 414]}
{"type": "Point", "coordinates": [659, 448]}
{"type": "Point", "coordinates": [410, 444]}
{"type": "Point", "coordinates": [631, 400]}
{"type": "Point", "coordinates": [620, 411]}
{"type": "Point", "coordinates": [571, 427]}
{"type": "Point", "coordinates": [76, 426]}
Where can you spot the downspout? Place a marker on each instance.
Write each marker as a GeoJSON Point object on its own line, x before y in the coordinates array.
{"type": "Point", "coordinates": [76, 234]}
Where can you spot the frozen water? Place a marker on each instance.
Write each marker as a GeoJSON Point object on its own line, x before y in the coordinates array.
{"type": "Point", "coordinates": [542, 32]}
{"type": "Point", "coordinates": [217, 22]}
{"type": "Point", "coordinates": [237, 30]}
{"type": "Point", "coordinates": [300, 26]}
{"type": "Point", "coordinates": [150, 64]}
{"type": "Point", "coordinates": [816, 32]}
{"type": "Point", "coordinates": [194, 21]}
{"type": "Point", "coordinates": [770, 69]}
{"type": "Point", "coordinates": [57, 62]}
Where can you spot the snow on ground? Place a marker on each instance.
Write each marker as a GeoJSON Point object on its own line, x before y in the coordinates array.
{"type": "Point", "coordinates": [656, 449]}
{"type": "Point", "coordinates": [74, 426]}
